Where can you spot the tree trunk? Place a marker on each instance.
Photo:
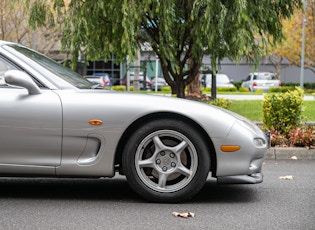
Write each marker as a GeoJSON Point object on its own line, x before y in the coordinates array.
{"type": "Point", "coordinates": [194, 89]}
{"type": "Point", "coordinates": [276, 60]}
{"type": "Point", "coordinates": [178, 89]}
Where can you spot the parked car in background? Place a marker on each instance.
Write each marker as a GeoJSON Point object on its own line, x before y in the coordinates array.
{"type": "Point", "coordinates": [159, 82]}
{"type": "Point", "coordinates": [261, 81]}
{"type": "Point", "coordinates": [141, 79]}
{"type": "Point", "coordinates": [222, 80]}
{"type": "Point", "coordinates": [101, 79]}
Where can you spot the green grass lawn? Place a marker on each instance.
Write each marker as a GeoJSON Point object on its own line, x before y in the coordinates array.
{"type": "Point", "coordinates": [253, 109]}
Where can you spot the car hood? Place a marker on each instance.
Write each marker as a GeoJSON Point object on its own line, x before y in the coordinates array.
{"type": "Point", "coordinates": [119, 110]}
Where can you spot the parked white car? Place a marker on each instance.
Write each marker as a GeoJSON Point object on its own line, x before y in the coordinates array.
{"type": "Point", "coordinates": [159, 82]}
{"type": "Point", "coordinates": [261, 81]}
{"type": "Point", "coordinates": [223, 81]}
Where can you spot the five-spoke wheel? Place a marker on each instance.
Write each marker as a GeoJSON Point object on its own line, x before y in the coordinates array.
{"type": "Point", "coordinates": [166, 161]}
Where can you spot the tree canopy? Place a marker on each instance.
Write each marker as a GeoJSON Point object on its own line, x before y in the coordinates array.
{"type": "Point", "coordinates": [290, 48]}
{"type": "Point", "coordinates": [14, 27]}
{"type": "Point", "coordinates": [177, 30]}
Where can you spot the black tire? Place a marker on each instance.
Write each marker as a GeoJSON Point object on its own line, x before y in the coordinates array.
{"type": "Point", "coordinates": [166, 160]}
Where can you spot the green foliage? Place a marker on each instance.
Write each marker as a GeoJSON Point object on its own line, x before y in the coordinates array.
{"type": "Point", "coordinates": [306, 85]}
{"type": "Point", "coordinates": [166, 89]}
{"type": "Point", "coordinates": [230, 89]}
{"type": "Point", "coordinates": [237, 84]}
{"type": "Point", "coordinates": [251, 109]}
{"type": "Point", "coordinates": [285, 89]}
{"type": "Point", "coordinates": [309, 90]}
{"type": "Point", "coordinates": [259, 91]}
{"type": "Point", "coordinates": [282, 89]}
{"type": "Point", "coordinates": [206, 90]}
{"type": "Point", "coordinates": [283, 111]}
{"type": "Point", "coordinates": [275, 90]}
{"type": "Point", "coordinates": [178, 31]}
{"type": "Point", "coordinates": [221, 102]}
{"type": "Point", "coordinates": [119, 87]}
{"type": "Point", "coordinates": [243, 89]}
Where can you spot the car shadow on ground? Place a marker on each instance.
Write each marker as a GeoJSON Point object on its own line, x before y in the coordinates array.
{"type": "Point", "coordinates": [213, 192]}
{"type": "Point", "coordinates": [112, 190]}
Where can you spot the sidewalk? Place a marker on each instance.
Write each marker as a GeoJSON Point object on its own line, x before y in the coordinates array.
{"type": "Point", "coordinates": [285, 153]}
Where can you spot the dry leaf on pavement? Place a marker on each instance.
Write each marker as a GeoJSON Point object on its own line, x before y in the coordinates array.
{"type": "Point", "coordinates": [184, 214]}
{"type": "Point", "coordinates": [289, 177]}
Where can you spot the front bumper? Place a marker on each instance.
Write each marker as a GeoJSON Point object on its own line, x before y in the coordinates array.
{"type": "Point", "coordinates": [244, 165]}
{"type": "Point", "coordinates": [241, 179]}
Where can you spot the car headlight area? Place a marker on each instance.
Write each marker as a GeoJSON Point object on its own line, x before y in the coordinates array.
{"type": "Point", "coordinates": [244, 164]}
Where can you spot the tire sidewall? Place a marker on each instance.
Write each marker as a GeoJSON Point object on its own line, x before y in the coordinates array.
{"type": "Point", "coordinates": [198, 179]}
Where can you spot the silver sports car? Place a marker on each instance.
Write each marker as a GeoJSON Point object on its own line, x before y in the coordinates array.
{"type": "Point", "coordinates": [55, 123]}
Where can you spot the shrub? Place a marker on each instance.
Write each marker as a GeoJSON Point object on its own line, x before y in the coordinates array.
{"type": "Point", "coordinates": [165, 88]}
{"type": "Point", "coordinates": [302, 137]}
{"type": "Point", "coordinates": [119, 87]}
{"type": "Point", "coordinates": [221, 102]}
{"type": "Point", "coordinates": [275, 90]}
{"type": "Point", "coordinates": [285, 89]}
{"type": "Point", "coordinates": [307, 85]}
{"type": "Point", "coordinates": [243, 89]}
{"type": "Point", "coordinates": [278, 139]}
{"type": "Point", "coordinates": [283, 111]}
{"type": "Point", "coordinates": [230, 89]}
{"type": "Point", "coordinates": [238, 84]}
{"type": "Point", "coordinates": [282, 89]}
{"type": "Point", "coordinates": [309, 90]}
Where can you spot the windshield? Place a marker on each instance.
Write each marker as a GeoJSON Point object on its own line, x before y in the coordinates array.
{"type": "Point", "coordinates": [61, 71]}
{"type": "Point", "coordinates": [265, 77]}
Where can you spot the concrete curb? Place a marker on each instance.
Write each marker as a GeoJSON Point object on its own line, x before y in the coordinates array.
{"type": "Point", "coordinates": [286, 153]}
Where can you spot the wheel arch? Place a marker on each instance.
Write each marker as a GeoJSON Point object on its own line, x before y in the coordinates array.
{"type": "Point", "coordinates": [162, 115]}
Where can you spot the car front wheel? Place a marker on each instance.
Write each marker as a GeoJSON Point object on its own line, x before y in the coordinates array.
{"type": "Point", "coordinates": [166, 161]}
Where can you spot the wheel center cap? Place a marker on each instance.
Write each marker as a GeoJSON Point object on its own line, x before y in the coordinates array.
{"type": "Point", "coordinates": [166, 160]}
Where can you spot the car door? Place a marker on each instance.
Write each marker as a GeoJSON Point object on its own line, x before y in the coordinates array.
{"type": "Point", "coordinates": [30, 126]}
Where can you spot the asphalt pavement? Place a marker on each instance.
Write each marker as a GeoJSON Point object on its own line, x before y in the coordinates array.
{"type": "Point", "coordinates": [284, 201]}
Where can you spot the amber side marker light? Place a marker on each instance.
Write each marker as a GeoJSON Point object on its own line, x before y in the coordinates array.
{"type": "Point", "coordinates": [95, 122]}
{"type": "Point", "coordinates": [230, 148]}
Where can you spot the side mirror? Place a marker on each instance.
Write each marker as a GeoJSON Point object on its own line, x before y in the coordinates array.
{"type": "Point", "coordinates": [21, 79]}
